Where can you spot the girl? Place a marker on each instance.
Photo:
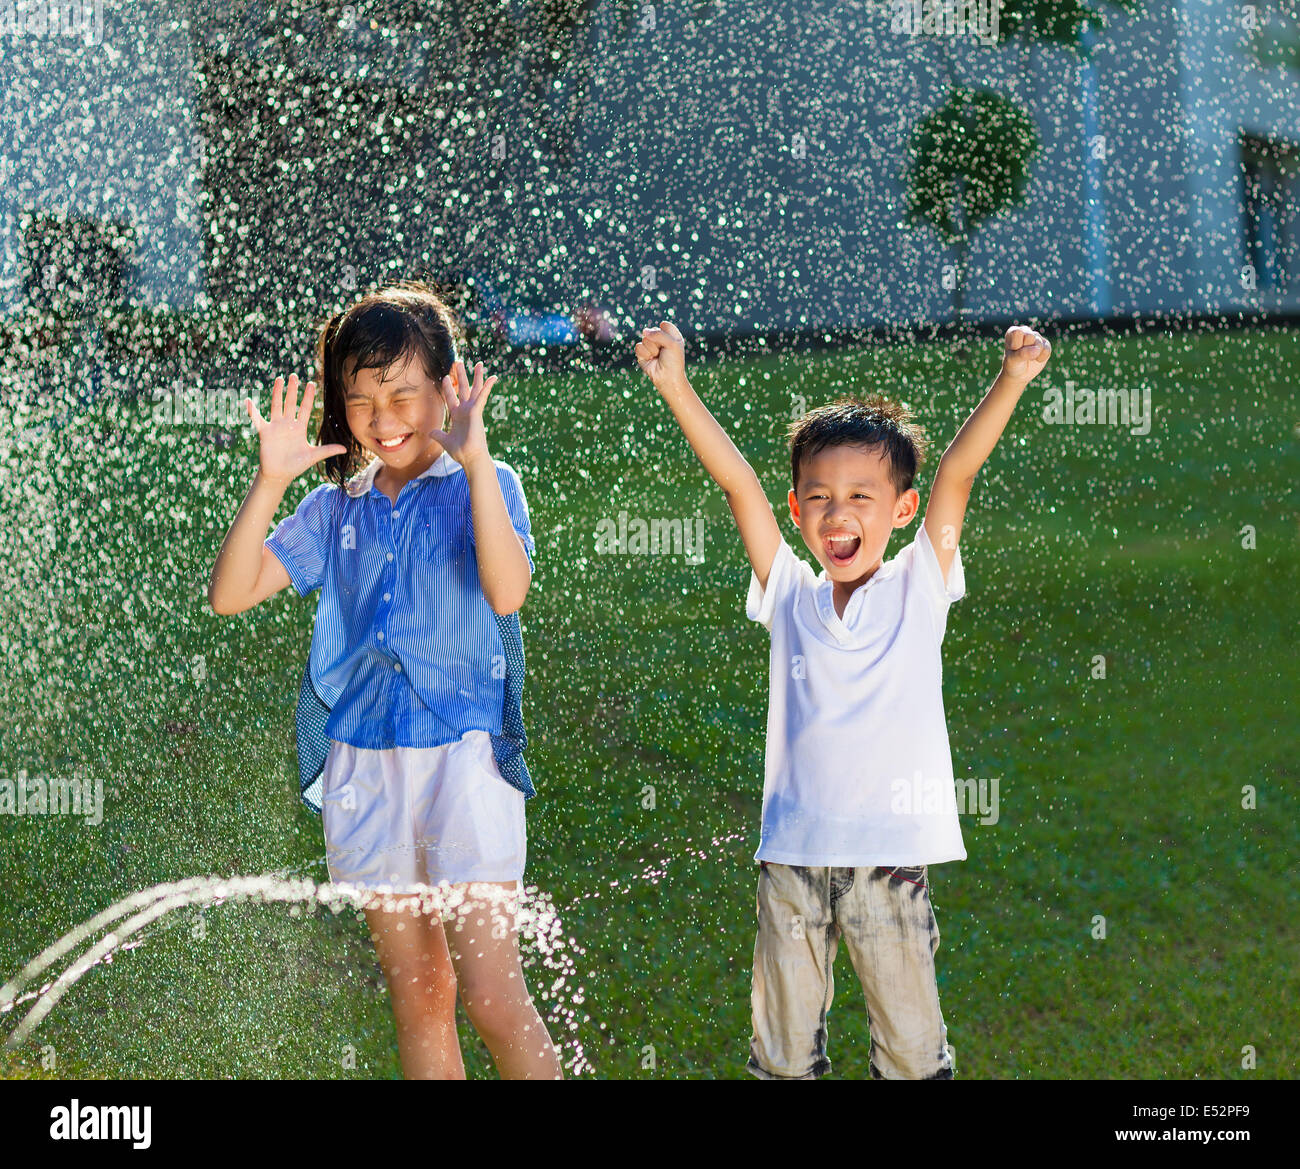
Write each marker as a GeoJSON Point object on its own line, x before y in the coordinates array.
{"type": "Point", "coordinates": [423, 559]}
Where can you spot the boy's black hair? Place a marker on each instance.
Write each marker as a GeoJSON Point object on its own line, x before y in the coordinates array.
{"type": "Point", "coordinates": [872, 422]}
{"type": "Point", "coordinates": [408, 318]}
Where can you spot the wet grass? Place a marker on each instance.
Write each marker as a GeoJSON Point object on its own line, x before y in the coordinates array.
{"type": "Point", "coordinates": [1120, 797]}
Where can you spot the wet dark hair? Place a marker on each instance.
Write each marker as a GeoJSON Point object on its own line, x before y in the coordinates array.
{"type": "Point", "coordinates": [383, 328]}
{"type": "Point", "coordinates": [873, 422]}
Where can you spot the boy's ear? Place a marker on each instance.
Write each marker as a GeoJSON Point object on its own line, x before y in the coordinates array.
{"type": "Point", "coordinates": [906, 507]}
{"type": "Point", "coordinates": [794, 507]}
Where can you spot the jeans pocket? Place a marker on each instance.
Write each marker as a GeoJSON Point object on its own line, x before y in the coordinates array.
{"type": "Point", "coordinates": [912, 874]}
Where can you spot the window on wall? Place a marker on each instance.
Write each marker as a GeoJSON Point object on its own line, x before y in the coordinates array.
{"type": "Point", "coordinates": [1274, 30]}
{"type": "Point", "coordinates": [1270, 170]}
{"type": "Point", "coordinates": [73, 265]}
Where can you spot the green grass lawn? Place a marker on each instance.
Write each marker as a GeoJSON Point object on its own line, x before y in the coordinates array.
{"type": "Point", "coordinates": [1119, 797]}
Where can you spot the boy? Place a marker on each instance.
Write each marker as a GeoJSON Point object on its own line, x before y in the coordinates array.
{"type": "Point", "coordinates": [857, 745]}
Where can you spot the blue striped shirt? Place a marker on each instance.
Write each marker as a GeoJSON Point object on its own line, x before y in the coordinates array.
{"type": "Point", "coordinates": [406, 651]}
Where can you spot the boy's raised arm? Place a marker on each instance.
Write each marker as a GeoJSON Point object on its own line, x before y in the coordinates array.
{"type": "Point", "coordinates": [1023, 358]}
{"type": "Point", "coordinates": [661, 354]}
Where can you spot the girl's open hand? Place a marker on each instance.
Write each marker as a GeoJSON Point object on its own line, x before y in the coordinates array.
{"type": "Point", "coordinates": [1025, 355]}
{"type": "Point", "coordinates": [465, 439]}
{"type": "Point", "coordinates": [661, 353]}
{"type": "Point", "coordinates": [284, 452]}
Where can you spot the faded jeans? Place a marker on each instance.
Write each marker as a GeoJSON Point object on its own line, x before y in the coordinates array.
{"type": "Point", "coordinates": [887, 922]}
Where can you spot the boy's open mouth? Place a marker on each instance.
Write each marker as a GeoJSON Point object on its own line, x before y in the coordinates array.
{"type": "Point", "coordinates": [392, 444]}
{"type": "Point", "coordinates": [842, 547]}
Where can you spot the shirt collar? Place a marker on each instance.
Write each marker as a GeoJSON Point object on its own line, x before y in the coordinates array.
{"type": "Point", "coordinates": [824, 598]}
{"type": "Point", "coordinates": [884, 572]}
{"type": "Point", "coordinates": [363, 481]}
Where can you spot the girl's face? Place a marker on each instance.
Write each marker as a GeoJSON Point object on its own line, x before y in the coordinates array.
{"type": "Point", "coordinates": [395, 417]}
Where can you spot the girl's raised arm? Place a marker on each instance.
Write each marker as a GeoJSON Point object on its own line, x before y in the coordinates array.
{"type": "Point", "coordinates": [246, 572]}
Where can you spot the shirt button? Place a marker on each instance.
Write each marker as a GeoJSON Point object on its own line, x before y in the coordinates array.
{"type": "Point", "coordinates": [390, 556]}
{"type": "Point", "coordinates": [380, 635]}
{"type": "Point", "coordinates": [397, 666]}
{"type": "Point", "coordinates": [388, 596]}
{"type": "Point", "coordinates": [397, 515]}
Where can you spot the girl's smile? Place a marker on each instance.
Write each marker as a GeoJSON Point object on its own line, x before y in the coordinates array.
{"type": "Point", "coordinates": [394, 417]}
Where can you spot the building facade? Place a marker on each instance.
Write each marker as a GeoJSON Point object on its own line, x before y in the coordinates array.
{"type": "Point", "coordinates": [734, 166]}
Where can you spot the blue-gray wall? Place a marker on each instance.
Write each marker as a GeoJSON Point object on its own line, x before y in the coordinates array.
{"type": "Point", "coordinates": [105, 130]}
{"type": "Point", "coordinates": [685, 173]}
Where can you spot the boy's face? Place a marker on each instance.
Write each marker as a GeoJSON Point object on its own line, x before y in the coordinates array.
{"type": "Point", "coordinates": [846, 507]}
{"type": "Point", "coordinates": [395, 417]}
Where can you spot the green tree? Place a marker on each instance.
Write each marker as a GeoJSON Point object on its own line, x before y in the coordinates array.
{"type": "Point", "coordinates": [970, 159]}
{"type": "Point", "coordinates": [1060, 22]}
{"type": "Point", "coordinates": [1275, 39]}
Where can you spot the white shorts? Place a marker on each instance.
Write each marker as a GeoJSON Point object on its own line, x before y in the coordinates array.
{"type": "Point", "coordinates": [406, 818]}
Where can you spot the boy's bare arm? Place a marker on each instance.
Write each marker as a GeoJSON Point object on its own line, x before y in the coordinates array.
{"type": "Point", "coordinates": [1024, 356]}
{"type": "Point", "coordinates": [661, 354]}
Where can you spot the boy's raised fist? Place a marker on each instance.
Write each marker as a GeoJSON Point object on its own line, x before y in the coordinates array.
{"type": "Point", "coordinates": [1026, 353]}
{"type": "Point", "coordinates": [661, 353]}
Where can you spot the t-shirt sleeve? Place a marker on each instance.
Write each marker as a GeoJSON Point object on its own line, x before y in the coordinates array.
{"type": "Point", "coordinates": [512, 490]}
{"type": "Point", "coordinates": [301, 540]}
{"type": "Point", "coordinates": [927, 579]}
{"type": "Point", "coordinates": [762, 603]}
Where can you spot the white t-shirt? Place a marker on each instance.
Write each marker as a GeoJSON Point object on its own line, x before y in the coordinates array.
{"type": "Point", "coordinates": [858, 770]}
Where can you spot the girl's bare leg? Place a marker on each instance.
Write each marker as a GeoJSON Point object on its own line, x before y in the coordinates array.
{"type": "Point", "coordinates": [484, 946]}
{"type": "Point", "coordinates": [413, 953]}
